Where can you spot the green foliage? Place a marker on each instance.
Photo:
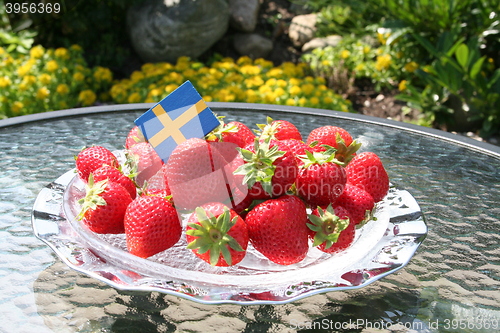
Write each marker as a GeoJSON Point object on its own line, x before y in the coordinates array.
{"type": "Point", "coordinates": [461, 82]}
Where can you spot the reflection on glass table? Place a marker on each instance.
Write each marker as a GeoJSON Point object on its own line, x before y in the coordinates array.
{"type": "Point", "coordinates": [451, 280]}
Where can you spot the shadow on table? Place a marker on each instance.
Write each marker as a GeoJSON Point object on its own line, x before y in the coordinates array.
{"type": "Point", "coordinates": [69, 301]}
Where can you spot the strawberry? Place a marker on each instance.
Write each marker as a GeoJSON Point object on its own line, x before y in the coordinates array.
{"type": "Point", "coordinates": [195, 174]}
{"type": "Point", "coordinates": [103, 206]}
{"type": "Point", "coordinates": [277, 229]}
{"type": "Point", "coordinates": [134, 137]}
{"type": "Point", "coordinates": [115, 175]}
{"type": "Point", "coordinates": [331, 228]}
{"type": "Point", "coordinates": [331, 136]}
{"type": "Point", "coordinates": [357, 202]}
{"type": "Point", "coordinates": [151, 226]}
{"type": "Point", "coordinates": [217, 234]}
{"type": "Point", "coordinates": [92, 158]}
{"type": "Point", "coordinates": [144, 161]}
{"type": "Point", "coordinates": [297, 147]}
{"type": "Point", "coordinates": [234, 132]}
{"type": "Point", "coordinates": [269, 169]}
{"type": "Point", "coordinates": [158, 184]}
{"type": "Point", "coordinates": [279, 130]}
{"type": "Point", "coordinates": [366, 171]}
{"type": "Point", "coordinates": [320, 180]}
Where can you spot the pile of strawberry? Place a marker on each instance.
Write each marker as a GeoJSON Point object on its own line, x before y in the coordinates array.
{"type": "Point", "coordinates": [269, 188]}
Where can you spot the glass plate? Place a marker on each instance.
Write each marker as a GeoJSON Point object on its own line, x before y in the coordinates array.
{"type": "Point", "coordinates": [381, 247]}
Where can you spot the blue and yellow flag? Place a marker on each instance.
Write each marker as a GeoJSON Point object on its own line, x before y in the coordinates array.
{"type": "Point", "coordinates": [181, 115]}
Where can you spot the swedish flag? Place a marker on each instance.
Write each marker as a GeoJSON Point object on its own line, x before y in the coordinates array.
{"type": "Point", "coordinates": [181, 115]}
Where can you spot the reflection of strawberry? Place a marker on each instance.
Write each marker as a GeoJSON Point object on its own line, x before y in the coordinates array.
{"type": "Point", "coordinates": [279, 130]}
{"type": "Point", "coordinates": [217, 234]}
{"type": "Point", "coordinates": [332, 230]}
{"type": "Point", "coordinates": [195, 175]}
{"type": "Point", "coordinates": [103, 206]}
{"type": "Point", "coordinates": [134, 137]}
{"type": "Point", "coordinates": [151, 226]}
{"type": "Point", "coordinates": [358, 203]}
{"type": "Point", "coordinates": [277, 229]}
{"type": "Point", "coordinates": [115, 175]}
{"type": "Point", "coordinates": [233, 132]}
{"type": "Point", "coordinates": [320, 180]}
{"type": "Point", "coordinates": [92, 158]}
{"type": "Point", "coordinates": [366, 171]}
{"type": "Point", "coordinates": [269, 170]}
{"type": "Point", "coordinates": [144, 161]}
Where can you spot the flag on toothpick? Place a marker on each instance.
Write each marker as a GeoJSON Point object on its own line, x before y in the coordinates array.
{"type": "Point", "coordinates": [181, 115]}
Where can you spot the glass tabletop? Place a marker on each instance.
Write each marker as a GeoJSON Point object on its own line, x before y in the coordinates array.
{"type": "Point", "coordinates": [450, 285]}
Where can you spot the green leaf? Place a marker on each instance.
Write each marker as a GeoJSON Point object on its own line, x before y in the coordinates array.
{"type": "Point", "coordinates": [476, 68]}
{"type": "Point", "coordinates": [462, 54]}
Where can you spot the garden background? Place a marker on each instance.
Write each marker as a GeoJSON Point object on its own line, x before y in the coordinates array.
{"type": "Point", "coordinates": [430, 62]}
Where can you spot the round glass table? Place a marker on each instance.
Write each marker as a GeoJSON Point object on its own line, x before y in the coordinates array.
{"type": "Point", "coordinates": [451, 284]}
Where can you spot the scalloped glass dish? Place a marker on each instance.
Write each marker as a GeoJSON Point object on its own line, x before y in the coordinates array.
{"type": "Point", "coordinates": [381, 247]}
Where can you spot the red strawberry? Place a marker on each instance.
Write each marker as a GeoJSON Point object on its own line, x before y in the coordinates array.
{"type": "Point", "coordinates": [134, 137]}
{"type": "Point", "coordinates": [336, 137]}
{"type": "Point", "coordinates": [103, 206]}
{"type": "Point", "coordinates": [366, 171]}
{"type": "Point", "coordinates": [158, 184]}
{"type": "Point", "coordinates": [270, 169]}
{"type": "Point", "coordinates": [233, 132]}
{"type": "Point", "coordinates": [277, 229]}
{"type": "Point", "coordinates": [144, 161]}
{"type": "Point", "coordinates": [332, 230]}
{"type": "Point", "coordinates": [298, 148]}
{"type": "Point", "coordinates": [279, 130]}
{"type": "Point", "coordinates": [195, 174]}
{"type": "Point", "coordinates": [357, 202]}
{"type": "Point", "coordinates": [320, 180]}
{"type": "Point", "coordinates": [151, 226]}
{"type": "Point", "coordinates": [92, 158]}
{"type": "Point", "coordinates": [217, 234]}
{"type": "Point", "coordinates": [115, 175]}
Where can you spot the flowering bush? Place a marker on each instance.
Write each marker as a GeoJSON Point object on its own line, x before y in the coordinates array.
{"type": "Point", "coordinates": [46, 80]}
{"type": "Point", "coordinates": [385, 65]}
{"type": "Point", "coordinates": [227, 80]}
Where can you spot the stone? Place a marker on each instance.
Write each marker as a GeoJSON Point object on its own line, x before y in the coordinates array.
{"type": "Point", "coordinates": [243, 14]}
{"type": "Point", "coordinates": [164, 30]}
{"type": "Point", "coordinates": [302, 29]}
{"type": "Point", "coordinates": [321, 43]}
{"type": "Point", "coordinates": [252, 45]}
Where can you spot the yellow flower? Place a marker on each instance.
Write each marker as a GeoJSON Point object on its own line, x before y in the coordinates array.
{"type": "Point", "coordinates": [382, 37]}
{"type": "Point", "coordinates": [171, 87]}
{"type": "Point", "coordinates": [250, 70]}
{"type": "Point", "coordinates": [134, 98]}
{"type": "Point", "coordinates": [383, 62]}
{"type": "Point", "coordinates": [75, 47]}
{"type": "Point", "coordinates": [24, 69]}
{"type": "Point", "coordinates": [290, 102]}
{"type": "Point", "coordinates": [2, 50]}
{"type": "Point", "coordinates": [103, 74]}
{"type": "Point", "coordinates": [366, 49]}
{"type": "Point", "coordinates": [136, 76]}
{"type": "Point", "coordinates": [271, 82]}
{"type": "Point", "coordinates": [87, 97]}
{"type": "Point", "coordinates": [326, 63]}
{"type": "Point", "coordinates": [37, 52]}
{"type": "Point", "coordinates": [207, 98]}
{"type": "Point", "coordinates": [44, 78]}
{"type": "Point", "coordinates": [307, 88]}
{"type": "Point", "coordinates": [315, 101]}
{"type": "Point", "coordinates": [345, 54]}
{"type": "Point", "coordinates": [5, 81]}
{"type": "Point", "coordinates": [402, 85]}
{"type": "Point", "coordinates": [411, 66]}
{"type": "Point", "coordinates": [245, 60]}
{"type": "Point", "coordinates": [42, 93]}
{"type": "Point", "coordinates": [281, 83]}
{"type": "Point", "coordinates": [17, 107]}
{"type": "Point", "coordinates": [52, 66]}
{"type": "Point", "coordinates": [78, 76]}
{"type": "Point", "coordinates": [295, 90]}
{"type": "Point", "coordinates": [280, 92]}
{"type": "Point", "coordinates": [29, 79]}
{"type": "Point", "coordinates": [327, 100]}
{"type": "Point", "coordinates": [62, 89]}
{"type": "Point", "coordinates": [359, 67]}
{"type": "Point", "coordinates": [294, 81]}
{"type": "Point", "coordinates": [62, 53]}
